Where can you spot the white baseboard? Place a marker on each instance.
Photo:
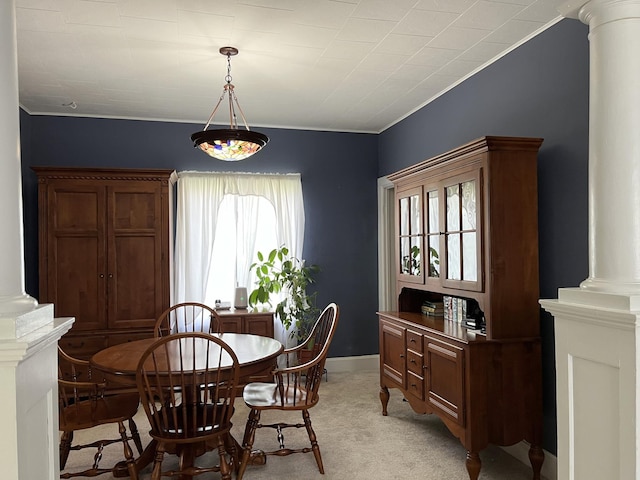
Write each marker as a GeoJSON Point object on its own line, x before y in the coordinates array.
{"type": "Point", "coordinates": [353, 364]}
{"type": "Point", "coordinates": [519, 451]}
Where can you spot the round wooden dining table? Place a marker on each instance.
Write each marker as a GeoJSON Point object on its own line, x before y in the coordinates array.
{"type": "Point", "coordinates": [118, 363]}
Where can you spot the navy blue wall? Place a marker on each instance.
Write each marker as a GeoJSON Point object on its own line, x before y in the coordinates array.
{"type": "Point", "coordinates": [541, 89]}
{"type": "Point", "coordinates": [338, 171]}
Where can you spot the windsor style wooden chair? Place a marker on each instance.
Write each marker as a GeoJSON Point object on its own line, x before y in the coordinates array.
{"type": "Point", "coordinates": [186, 419]}
{"type": "Point", "coordinates": [295, 388]}
{"type": "Point", "coordinates": [84, 403]}
{"type": "Point", "coordinates": [187, 317]}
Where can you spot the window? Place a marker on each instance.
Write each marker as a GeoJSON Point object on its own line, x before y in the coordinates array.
{"type": "Point", "coordinates": [222, 220]}
{"type": "Point", "coordinates": [246, 225]}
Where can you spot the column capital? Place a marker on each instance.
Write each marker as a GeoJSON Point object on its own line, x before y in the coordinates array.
{"type": "Point", "coordinates": [597, 12]}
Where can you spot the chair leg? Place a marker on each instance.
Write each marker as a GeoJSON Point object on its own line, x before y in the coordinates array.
{"type": "Point", "coordinates": [65, 448]}
{"type": "Point", "coordinates": [156, 474]}
{"type": "Point", "coordinates": [233, 450]}
{"type": "Point", "coordinates": [312, 438]}
{"type": "Point", "coordinates": [225, 467]}
{"type": "Point", "coordinates": [247, 440]}
{"type": "Point", "coordinates": [128, 453]}
{"type": "Point", "coordinates": [133, 428]}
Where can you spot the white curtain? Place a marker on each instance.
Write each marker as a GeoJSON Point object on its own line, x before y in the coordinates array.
{"type": "Point", "coordinates": [199, 196]}
{"type": "Point", "coordinates": [247, 211]}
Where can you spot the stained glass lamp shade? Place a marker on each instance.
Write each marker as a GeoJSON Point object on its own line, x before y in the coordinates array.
{"type": "Point", "coordinates": [229, 144]}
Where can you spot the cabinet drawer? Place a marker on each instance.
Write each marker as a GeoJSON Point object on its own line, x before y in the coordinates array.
{"type": "Point", "coordinates": [414, 341]}
{"type": "Point", "coordinates": [415, 385]}
{"type": "Point", "coordinates": [414, 362]}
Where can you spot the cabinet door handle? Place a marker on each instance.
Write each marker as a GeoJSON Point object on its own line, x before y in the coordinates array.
{"type": "Point", "coordinates": [413, 340]}
{"type": "Point", "coordinates": [111, 275]}
{"type": "Point", "coordinates": [412, 361]}
{"type": "Point", "coordinates": [102, 275]}
{"type": "Point", "coordinates": [402, 355]}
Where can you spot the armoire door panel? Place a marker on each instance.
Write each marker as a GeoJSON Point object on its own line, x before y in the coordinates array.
{"type": "Point", "coordinates": [135, 295]}
{"type": "Point", "coordinates": [75, 279]}
{"type": "Point", "coordinates": [75, 210]}
{"type": "Point", "coordinates": [137, 210]}
{"type": "Point", "coordinates": [76, 284]}
{"type": "Point", "coordinates": [135, 254]}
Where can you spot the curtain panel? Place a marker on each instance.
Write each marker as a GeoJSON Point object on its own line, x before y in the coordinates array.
{"type": "Point", "coordinates": [199, 195]}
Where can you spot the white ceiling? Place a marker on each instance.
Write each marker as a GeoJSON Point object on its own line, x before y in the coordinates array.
{"type": "Point", "coordinates": [343, 65]}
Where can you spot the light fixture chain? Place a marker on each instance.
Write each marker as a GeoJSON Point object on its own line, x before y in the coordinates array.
{"type": "Point", "coordinates": [244, 120]}
{"type": "Point", "coordinates": [228, 78]}
{"type": "Point", "coordinates": [215, 109]}
{"type": "Point", "coordinates": [233, 122]}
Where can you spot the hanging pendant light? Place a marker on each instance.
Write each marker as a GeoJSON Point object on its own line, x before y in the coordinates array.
{"type": "Point", "coordinates": [229, 144]}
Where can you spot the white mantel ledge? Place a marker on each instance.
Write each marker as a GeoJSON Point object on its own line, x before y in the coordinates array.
{"type": "Point", "coordinates": [614, 310]}
{"type": "Point", "coordinates": [16, 350]}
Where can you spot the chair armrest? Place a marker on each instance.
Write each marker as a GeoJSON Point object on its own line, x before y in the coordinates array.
{"type": "Point", "coordinates": [82, 385]}
{"type": "Point", "coordinates": [291, 355]}
{"type": "Point", "coordinates": [298, 368]}
{"type": "Point", "coordinates": [295, 349]}
{"type": "Point", "coordinates": [73, 360]}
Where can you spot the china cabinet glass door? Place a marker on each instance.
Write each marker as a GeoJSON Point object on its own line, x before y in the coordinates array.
{"type": "Point", "coordinates": [433, 215]}
{"type": "Point", "coordinates": [410, 235]}
{"type": "Point", "coordinates": [462, 261]}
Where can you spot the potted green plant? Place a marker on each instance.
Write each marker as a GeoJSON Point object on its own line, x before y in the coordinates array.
{"type": "Point", "coordinates": [280, 272]}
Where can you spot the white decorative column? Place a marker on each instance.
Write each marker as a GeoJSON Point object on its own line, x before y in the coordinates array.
{"type": "Point", "coordinates": [28, 331]}
{"type": "Point", "coordinates": [597, 325]}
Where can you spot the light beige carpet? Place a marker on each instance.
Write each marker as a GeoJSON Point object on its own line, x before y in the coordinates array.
{"type": "Point", "coordinates": [356, 441]}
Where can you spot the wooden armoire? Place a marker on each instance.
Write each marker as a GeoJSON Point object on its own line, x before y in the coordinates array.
{"type": "Point", "coordinates": [104, 251]}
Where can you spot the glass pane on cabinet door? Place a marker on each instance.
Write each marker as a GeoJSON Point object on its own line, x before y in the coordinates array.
{"type": "Point", "coordinates": [405, 255]}
{"type": "Point", "coordinates": [434, 256]}
{"type": "Point", "coordinates": [410, 256]}
{"type": "Point", "coordinates": [470, 264]}
{"type": "Point", "coordinates": [469, 205]}
{"type": "Point", "coordinates": [453, 257]}
{"type": "Point", "coordinates": [434, 219]}
{"type": "Point", "coordinates": [416, 262]}
{"type": "Point", "coordinates": [416, 228]}
{"type": "Point", "coordinates": [404, 216]}
{"type": "Point", "coordinates": [433, 234]}
{"type": "Point", "coordinates": [453, 208]}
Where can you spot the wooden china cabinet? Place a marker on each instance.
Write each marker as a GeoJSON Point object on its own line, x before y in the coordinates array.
{"type": "Point", "coordinates": [104, 241]}
{"type": "Point", "coordinates": [466, 228]}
